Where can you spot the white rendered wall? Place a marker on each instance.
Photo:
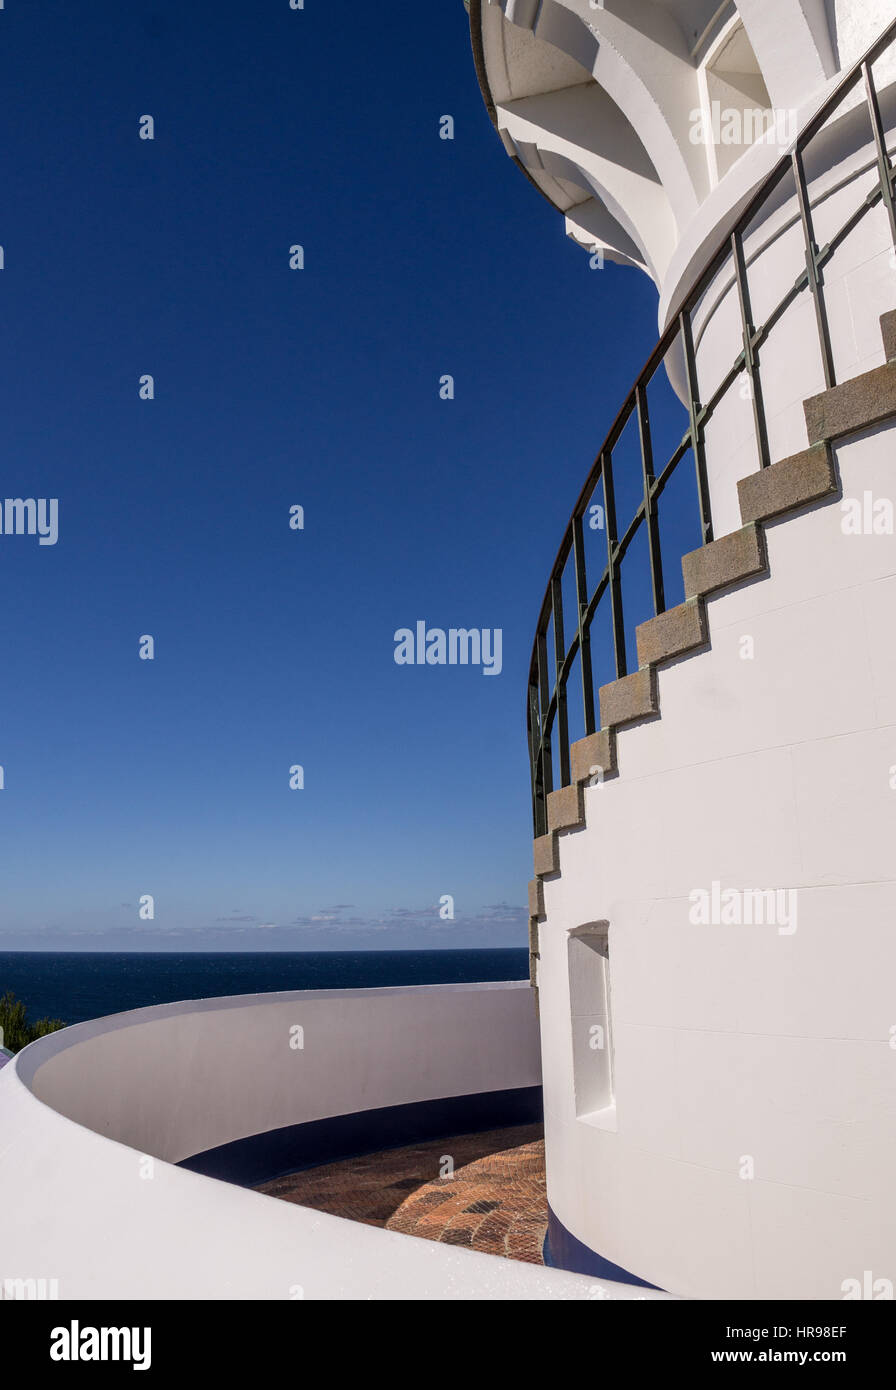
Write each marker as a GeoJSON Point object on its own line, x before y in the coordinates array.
{"type": "Point", "coordinates": [734, 1042]}
{"type": "Point", "coordinates": [732, 1045]}
{"type": "Point", "coordinates": [79, 1205]}
{"type": "Point", "coordinates": [177, 1080]}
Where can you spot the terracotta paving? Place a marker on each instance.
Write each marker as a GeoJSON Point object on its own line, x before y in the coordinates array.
{"type": "Point", "coordinates": [496, 1200]}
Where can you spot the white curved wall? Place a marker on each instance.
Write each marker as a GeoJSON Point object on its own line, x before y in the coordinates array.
{"type": "Point", "coordinates": [755, 1088]}
{"type": "Point", "coordinates": [81, 1110]}
{"type": "Point", "coordinates": [741, 1042]}
{"type": "Point", "coordinates": [177, 1080]}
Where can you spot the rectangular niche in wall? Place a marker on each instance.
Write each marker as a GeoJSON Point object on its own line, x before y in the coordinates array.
{"type": "Point", "coordinates": [589, 998]}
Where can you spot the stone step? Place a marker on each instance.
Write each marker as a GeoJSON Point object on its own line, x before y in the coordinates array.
{"type": "Point", "coordinates": [673, 633]}
{"type": "Point", "coordinates": [628, 699]}
{"type": "Point", "coordinates": [867, 400]}
{"type": "Point", "coordinates": [794, 482]}
{"type": "Point", "coordinates": [729, 560]}
{"type": "Point", "coordinates": [593, 759]}
{"type": "Point", "coordinates": [566, 808]}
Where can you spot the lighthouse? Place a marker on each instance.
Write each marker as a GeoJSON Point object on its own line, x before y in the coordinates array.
{"type": "Point", "coordinates": [711, 701]}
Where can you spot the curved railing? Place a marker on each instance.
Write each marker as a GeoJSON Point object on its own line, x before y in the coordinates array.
{"type": "Point", "coordinates": [547, 703]}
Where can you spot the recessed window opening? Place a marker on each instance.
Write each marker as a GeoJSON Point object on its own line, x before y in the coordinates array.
{"type": "Point", "coordinates": [589, 998]}
{"type": "Point", "coordinates": [736, 109]}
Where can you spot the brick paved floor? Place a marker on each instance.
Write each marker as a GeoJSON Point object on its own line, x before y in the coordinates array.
{"type": "Point", "coordinates": [496, 1200]}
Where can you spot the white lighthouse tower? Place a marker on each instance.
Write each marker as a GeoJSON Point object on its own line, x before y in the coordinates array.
{"type": "Point", "coordinates": [712, 721]}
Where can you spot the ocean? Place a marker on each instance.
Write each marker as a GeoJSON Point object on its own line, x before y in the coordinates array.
{"type": "Point", "coordinates": [77, 985]}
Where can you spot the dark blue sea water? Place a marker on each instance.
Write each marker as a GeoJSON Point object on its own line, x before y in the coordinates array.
{"type": "Point", "coordinates": [77, 985]}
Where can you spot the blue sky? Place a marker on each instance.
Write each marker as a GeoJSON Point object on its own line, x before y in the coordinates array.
{"type": "Point", "coordinates": [273, 388]}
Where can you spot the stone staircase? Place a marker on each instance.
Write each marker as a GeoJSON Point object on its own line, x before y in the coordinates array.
{"type": "Point", "coordinates": [806, 477]}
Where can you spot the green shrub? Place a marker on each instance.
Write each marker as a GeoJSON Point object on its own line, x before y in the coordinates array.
{"type": "Point", "coordinates": [15, 1030]}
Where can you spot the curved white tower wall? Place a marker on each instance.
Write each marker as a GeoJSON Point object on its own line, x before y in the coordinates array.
{"type": "Point", "coordinates": [714, 910]}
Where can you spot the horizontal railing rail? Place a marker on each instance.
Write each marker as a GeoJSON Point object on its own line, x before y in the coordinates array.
{"type": "Point", "coordinates": [547, 700]}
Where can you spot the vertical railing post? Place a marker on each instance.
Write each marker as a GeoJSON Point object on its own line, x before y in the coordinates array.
{"type": "Point", "coordinates": [539, 817]}
{"type": "Point", "coordinates": [578, 545]}
{"type": "Point", "coordinates": [696, 431]}
{"type": "Point", "coordinates": [560, 674]}
{"type": "Point", "coordinates": [884, 167]}
{"type": "Point", "coordinates": [615, 582]}
{"type": "Point", "coordinates": [650, 508]}
{"type": "Point", "coordinates": [545, 759]}
{"type": "Point", "coordinates": [751, 361]}
{"type": "Point", "coordinates": [813, 271]}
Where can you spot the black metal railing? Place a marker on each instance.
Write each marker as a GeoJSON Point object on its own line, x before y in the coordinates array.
{"type": "Point", "coordinates": [547, 701]}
